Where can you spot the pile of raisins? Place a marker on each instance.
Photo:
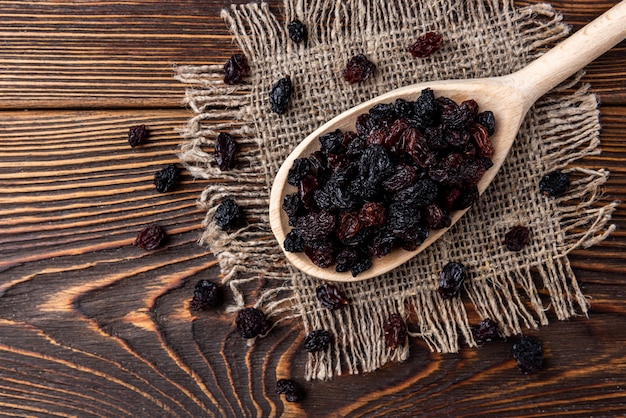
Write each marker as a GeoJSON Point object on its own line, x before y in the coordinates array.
{"type": "Point", "coordinates": [407, 166]}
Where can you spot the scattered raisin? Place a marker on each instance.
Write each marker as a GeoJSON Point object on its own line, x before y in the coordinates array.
{"type": "Point", "coordinates": [517, 238]}
{"type": "Point", "coordinates": [236, 69]}
{"type": "Point", "coordinates": [206, 295]}
{"type": "Point", "coordinates": [317, 340]}
{"type": "Point", "coordinates": [297, 31]}
{"type": "Point", "coordinates": [137, 135]}
{"type": "Point", "coordinates": [485, 331]}
{"type": "Point", "coordinates": [425, 45]}
{"type": "Point", "coordinates": [395, 331]}
{"type": "Point", "coordinates": [166, 179]}
{"type": "Point", "coordinates": [358, 69]}
{"type": "Point", "coordinates": [528, 353]}
{"type": "Point", "coordinates": [225, 147]}
{"type": "Point", "coordinates": [280, 95]}
{"type": "Point", "coordinates": [228, 215]}
{"type": "Point", "coordinates": [150, 238]}
{"type": "Point", "coordinates": [451, 279]}
{"type": "Point", "coordinates": [291, 390]}
{"type": "Point", "coordinates": [251, 322]}
{"type": "Point", "coordinates": [331, 297]}
{"type": "Point", "coordinates": [554, 184]}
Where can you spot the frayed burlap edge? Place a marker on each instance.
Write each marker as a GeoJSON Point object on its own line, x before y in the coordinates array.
{"type": "Point", "coordinates": [511, 297]}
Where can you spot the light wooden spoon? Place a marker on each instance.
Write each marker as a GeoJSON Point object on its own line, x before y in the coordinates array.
{"type": "Point", "coordinates": [508, 97]}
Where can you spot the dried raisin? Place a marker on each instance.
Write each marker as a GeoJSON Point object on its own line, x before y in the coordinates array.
{"type": "Point", "coordinates": [330, 297]}
{"type": "Point", "coordinates": [206, 295]}
{"type": "Point", "coordinates": [395, 331]}
{"type": "Point", "coordinates": [166, 179]}
{"type": "Point", "coordinates": [317, 340]}
{"type": "Point", "coordinates": [517, 238]}
{"type": "Point", "coordinates": [554, 184]}
{"type": "Point", "coordinates": [528, 353]}
{"type": "Point", "coordinates": [137, 135]}
{"type": "Point", "coordinates": [291, 390]}
{"type": "Point", "coordinates": [426, 45]}
{"type": "Point", "coordinates": [293, 242]}
{"type": "Point", "coordinates": [451, 278]}
{"type": "Point", "coordinates": [225, 147]}
{"type": "Point", "coordinates": [150, 238]}
{"type": "Point", "coordinates": [251, 322]}
{"type": "Point", "coordinates": [280, 95]}
{"type": "Point", "coordinates": [236, 69]}
{"type": "Point", "coordinates": [485, 331]}
{"type": "Point", "coordinates": [228, 215]}
{"type": "Point", "coordinates": [358, 69]}
{"type": "Point", "coordinates": [297, 31]}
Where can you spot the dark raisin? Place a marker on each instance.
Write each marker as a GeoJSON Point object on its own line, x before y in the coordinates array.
{"type": "Point", "coordinates": [251, 322]}
{"type": "Point", "coordinates": [528, 353]}
{"type": "Point", "coordinates": [349, 226]}
{"type": "Point", "coordinates": [291, 390]}
{"type": "Point", "coordinates": [426, 44]}
{"type": "Point", "coordinates": [299, 169]}
{"type": "Point", "coordinates": [306, 190]}
{"type": "Point", "coordinates": [450, 280]}
{"type": "Point", "coordinates": [360, 265]}
{"type": "Point", "coordinates": [206, 295]}
{"type": "Point", "coordinates": [487, 120]}
{"type": "Point", "coordinates": [395, 331]}
{"type": "Point", "coordinates": [401, 218]}
{"type": "Point", "coordinates": [485, 331]}
{"type": "Point", "coordinates": [426, 109]}
{"type": "Point", "coordinates": [228, 215]}
{"type": "Point", "coordinates": [280, 95]}
{"type": "Point", "coordinates": [166, 179]}
{"type": "Point", "coordinates": [316, 225]}
{"type": "Point", "coordinates": [292, 207]}
{"type": "Point", "coordinates": [554, 184]}
{"type": "Point", "coordinates": [470, 172]}
{"type": "Point", "coordinates": [330, 297]}
{"type": "Point", "coordinates": [317, 340]}
{"type": "Point", "coordinates": [293, 242]}
{"type": "Point", "coordinates": [331, 142]}
{"type": "Point", "coordinates": [236, 69]}
{"type": "Point", "coordinates": [417, 148]}
{"type": "Point", "coordinates": [436, 218]}
{"type": "Point", "coordinates": [452, 115]}
{"type": "Point", "coordinates": [137, 135]}
{"type": "Point", "coordinates": [381, 243]}
{"type": "Point", "coordinates": [375, 165]}
{"type": "Point", "coordinates": [412, 238]}
{"type": "Point", "coordinates": [358, 69]}
{"type": "Point", "coordinates": [225, 148]}
{"type": "Point", "coordinates": [345, 259]}
{"type": "Point", "coordinates": [422, 193]}
{"type": "Point", "coordinates": [335, 197]}
{"type": "Point", "coordinates": [481, 139]}
{"type": "Point", "coordinates": [321, 253]}
{"type": "Point", "coordinates": [364, 125]}
{"type": "Point", "coordinates": [297, 31]}
{"type": "Point", "coordinates": [467, 198]}
{"type": "Point", "coordinates": [373, 214]}
{"type": "Point", "coordinates": [517, 238]}
{"type": "Point", "coordinates": [150, 238]}
{"type": "Point", "coordinates": [404, 175]}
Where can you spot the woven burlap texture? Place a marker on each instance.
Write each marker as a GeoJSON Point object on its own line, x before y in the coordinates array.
{"type": "Point", "coordinates": [480, 39]}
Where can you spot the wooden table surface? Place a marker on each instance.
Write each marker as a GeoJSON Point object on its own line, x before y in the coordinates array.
{"type": "Point", "coordinates": [92, 326]}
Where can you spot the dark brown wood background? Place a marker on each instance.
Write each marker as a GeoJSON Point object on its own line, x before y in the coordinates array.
{"type": "Point", "coordinates": [91, 326]}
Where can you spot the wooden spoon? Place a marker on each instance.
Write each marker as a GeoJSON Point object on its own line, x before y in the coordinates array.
{"type": "Point", "coordinates": [509, 97]}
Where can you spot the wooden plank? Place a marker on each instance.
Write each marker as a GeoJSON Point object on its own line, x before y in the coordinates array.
{"type": "Point", "coordinates": [108, 321]}
{"type": "Point", "coordinates": [121, 53]}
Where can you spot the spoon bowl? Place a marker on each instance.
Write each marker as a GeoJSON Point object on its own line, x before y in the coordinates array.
{"type": "Point", "coordinates": [509, 97]}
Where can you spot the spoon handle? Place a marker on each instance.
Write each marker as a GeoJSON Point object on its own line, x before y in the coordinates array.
{"type": "Point", "coordinates": [564, 60]}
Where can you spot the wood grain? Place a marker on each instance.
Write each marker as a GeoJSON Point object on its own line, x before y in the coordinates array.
{"type": "Point", "coordinates": [92, 326]}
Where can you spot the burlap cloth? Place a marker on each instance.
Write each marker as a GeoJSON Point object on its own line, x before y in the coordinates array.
{"type": "Point", "coordinates": [481, 38]}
